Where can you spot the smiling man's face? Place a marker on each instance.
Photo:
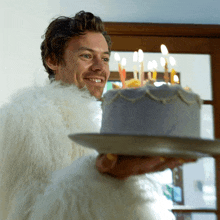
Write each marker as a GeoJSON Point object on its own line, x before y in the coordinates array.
{"type": "Point", "coordinates": [86, 63]}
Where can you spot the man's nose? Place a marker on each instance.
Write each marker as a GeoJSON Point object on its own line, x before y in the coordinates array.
{"type": "Point", "coordinates": [98, 64]}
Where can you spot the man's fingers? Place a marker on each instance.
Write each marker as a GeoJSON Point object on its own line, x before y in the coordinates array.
{"type": "Point", "coordinates": [121, 166]}
{"type": "Point", "coordinates": [171, 163]}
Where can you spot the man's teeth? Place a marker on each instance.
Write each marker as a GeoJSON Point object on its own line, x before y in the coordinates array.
{"type": "Point", "coordinates": [95, 80]}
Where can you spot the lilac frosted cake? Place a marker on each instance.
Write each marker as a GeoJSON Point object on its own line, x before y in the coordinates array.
{"type": "Point", "coordinates": [149, 110]}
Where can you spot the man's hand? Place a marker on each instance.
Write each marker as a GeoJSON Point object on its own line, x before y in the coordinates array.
{"type": "Point", "coordinates": [123, 166]}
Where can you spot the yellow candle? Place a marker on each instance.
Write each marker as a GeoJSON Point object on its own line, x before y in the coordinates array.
{"type": "Point", "coordinates": [155, 75]}
{"type": "Point", "coordinates": [173, 73]}
{"type": "Point", "coordinates": [154, 72]}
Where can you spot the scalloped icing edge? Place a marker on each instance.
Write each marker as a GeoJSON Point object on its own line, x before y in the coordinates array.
{"type": "Point", "coordinates": [179, 94]}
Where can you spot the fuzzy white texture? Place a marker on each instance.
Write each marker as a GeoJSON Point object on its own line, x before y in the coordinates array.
{"type": "Point", "coordinates": [80, 192]}
{"type": "Point", "coordinates": [34, 140]}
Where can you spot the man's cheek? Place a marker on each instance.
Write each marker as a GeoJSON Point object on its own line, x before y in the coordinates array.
{"type": "Point", "coordinates": [78, 78]}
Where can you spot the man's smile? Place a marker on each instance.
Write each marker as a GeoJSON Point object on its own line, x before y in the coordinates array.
{"type": "Point", "coordinates": [95, 81]}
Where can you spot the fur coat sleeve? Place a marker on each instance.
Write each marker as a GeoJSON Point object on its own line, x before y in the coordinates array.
{"type": "Point", "coordinates": [80, 192]}
{"type": "Point", "coordinates": [34, 142]}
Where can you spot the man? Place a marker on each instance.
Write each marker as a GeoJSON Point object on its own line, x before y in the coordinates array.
{"type": "Point", "coordinates": [35, 125]}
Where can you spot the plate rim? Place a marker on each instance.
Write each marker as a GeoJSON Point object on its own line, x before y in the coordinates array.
{"type": "Point", "coordinates": [173, 141]}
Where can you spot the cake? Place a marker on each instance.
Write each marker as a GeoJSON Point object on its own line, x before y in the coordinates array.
{"type": "Point", "coordinates": [167, 110]}
{"type": "Point", "coordinates": [150, 121]}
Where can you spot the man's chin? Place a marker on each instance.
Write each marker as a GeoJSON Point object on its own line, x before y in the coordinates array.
{"type": "Point", "coordinates": [96, 92]}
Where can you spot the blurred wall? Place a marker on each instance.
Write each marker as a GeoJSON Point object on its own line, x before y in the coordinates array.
{"type": "Point", "coordinates": [22, 23]}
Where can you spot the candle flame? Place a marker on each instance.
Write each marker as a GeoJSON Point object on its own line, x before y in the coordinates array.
{"type": "Point", "coordinates": [176, 78]}
{"type": "Point", "coordinates": [117, 57]}
{"type": "Point", "coordinates": [163, 49]}
{"type": "Point", "coordinates": [123, 62]}
{"type": "Point", "coordinates": [172, 61]}
{"type": "Point", "coordinates": [135, 56]}
{"type": "Point", "coordinates": [154, 62]}
{"type": "Point", "coordinates": [140, 55]}
{"type": "Point", "coordinates": [150, 65]}
{"type": "Point", "coordinates": [162, 61]}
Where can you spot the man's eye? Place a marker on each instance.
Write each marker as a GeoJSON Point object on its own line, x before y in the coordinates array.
{"type": "Point", "coordinates": [106, 59]}
{"type": "Point", "coordinates": [87, 56]}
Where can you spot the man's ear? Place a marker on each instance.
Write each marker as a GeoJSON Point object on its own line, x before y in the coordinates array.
{"type": "Point", "coordinates": [51, 63]}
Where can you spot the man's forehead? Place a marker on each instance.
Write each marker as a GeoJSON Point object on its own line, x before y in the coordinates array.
{"type": "Point", "coordinates": [83, 48]}
{"type": "Point", "coordinates": [91, 44]}
{"type": "Point", "coordinates": [89, 36]}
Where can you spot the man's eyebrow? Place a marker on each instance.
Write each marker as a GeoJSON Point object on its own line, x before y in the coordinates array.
{"type": "Point", "coordinates": [91, 50]}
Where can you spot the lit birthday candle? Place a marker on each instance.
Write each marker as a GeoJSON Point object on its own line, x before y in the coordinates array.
{"type": "Point", "coordinates": [150, 68]}
{"type": "Point", "coordinates": [141, 61]}
{"type": "Point", "coordinates": [172, 61]}
{"type": "Point", "coordinates": [117, 58]}
{"type": "Point", "coordinates": [154, 62]}
{"type": "Point", "coordinates": [173, 72]}
{"type": "Point", "coordinates": [176, 79]}
{"type": "Point", "coordinates": [135, 59]}
{"type": "Point", "coordinates": [123, 72]}
{"type": "Point", "coordinates": [164, 51]}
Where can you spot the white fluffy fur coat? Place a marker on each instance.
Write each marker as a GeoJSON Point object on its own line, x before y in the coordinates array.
{"type": "Point", "coordinates": [33, 141]}
{"type": "Point", "coordinates": [80, 192]}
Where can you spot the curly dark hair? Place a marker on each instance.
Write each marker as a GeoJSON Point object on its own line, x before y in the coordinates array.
{"type": "Point", "coordinates": [62, 29]}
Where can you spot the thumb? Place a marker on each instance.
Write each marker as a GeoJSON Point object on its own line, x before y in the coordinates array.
{"type": "Point", "coordinates": [106, 162]}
